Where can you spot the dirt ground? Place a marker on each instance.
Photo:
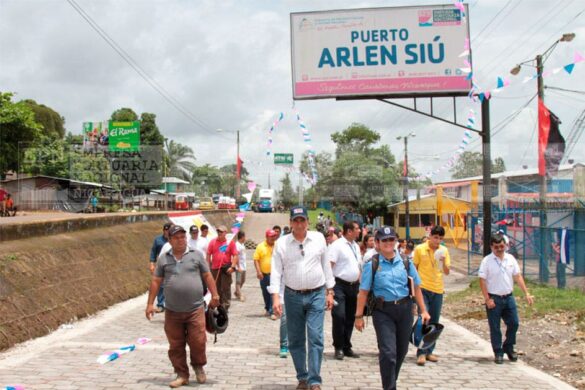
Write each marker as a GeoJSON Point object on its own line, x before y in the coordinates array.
{"type": "Point", "coordinates": [552, 343]}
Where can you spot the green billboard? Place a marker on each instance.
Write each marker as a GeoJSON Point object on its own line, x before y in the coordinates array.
{"type": "Point", "coordinates": [124, 136]}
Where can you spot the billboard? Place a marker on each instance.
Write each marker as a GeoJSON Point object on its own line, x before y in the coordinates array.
{"type": "Point", "coordinates": [95, 135]}
{"type": "Point", "coordinates": [389, 52]}
{"type": "Point", "coordinates": [124, 136]}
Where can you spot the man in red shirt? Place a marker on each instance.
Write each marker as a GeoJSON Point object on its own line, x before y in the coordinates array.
{"type": "Point", "coordinates": [223, 261]}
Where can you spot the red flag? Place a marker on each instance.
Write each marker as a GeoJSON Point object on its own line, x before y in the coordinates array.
{"type": "Point", "coordinates": [239, 167]}
{"type": "Point", "coordinates": [543, 130]}
{"type": "Point", "coordinates": [404, 168]}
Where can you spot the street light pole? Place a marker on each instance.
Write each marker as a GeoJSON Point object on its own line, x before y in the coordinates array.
{"type": "Point", "coordinates": [540, 58]}
{"type": "Point", "coordinates": [239, 172]}
{"type": "Point", "coordinates": [405, 185]}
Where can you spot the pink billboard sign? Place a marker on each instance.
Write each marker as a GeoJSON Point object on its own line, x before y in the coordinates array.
{"type": "Point", "coordinates": [393, 52]}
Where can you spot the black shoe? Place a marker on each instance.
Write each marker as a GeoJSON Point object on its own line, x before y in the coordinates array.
{"type": "Point", "coordinates": [350, 353]}
{"type": "Point", "coordinates": [512, 356]}
{"type": "Point", "coordinates": [339, 354]}
{"type": "Point", "coordinates": [499, 359]}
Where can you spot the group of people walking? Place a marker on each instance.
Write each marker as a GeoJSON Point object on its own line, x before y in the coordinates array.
{"type": "Point", "coordinates": [305, 273]}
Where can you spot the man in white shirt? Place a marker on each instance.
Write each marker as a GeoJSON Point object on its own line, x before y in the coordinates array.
{"type": "Point", "coordinates": [344, 255]}
{"type": "Point", "coordinates": [300, 258]}
{"type": "Point", "coordinates": [497, 273]}
{"type": "Point", "coordinates": [203, 241]}
{"type": "Point", "coordinates": [193, 242]}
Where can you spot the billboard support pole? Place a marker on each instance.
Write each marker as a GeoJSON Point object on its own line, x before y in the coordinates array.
{"type": "Point", "coordinates": [487, 175]}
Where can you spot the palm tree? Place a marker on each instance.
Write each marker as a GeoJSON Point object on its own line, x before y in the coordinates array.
{"type": "Point", "coordinates": [179, 160]}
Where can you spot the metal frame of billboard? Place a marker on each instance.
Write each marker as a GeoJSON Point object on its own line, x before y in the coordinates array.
{"type": "Point", "coordinates": [411, 94]}
{"type": "Point", "coordinates": [485, 132]}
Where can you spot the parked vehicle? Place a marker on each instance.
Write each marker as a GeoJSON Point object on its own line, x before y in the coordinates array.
{"type": "Point", "coordinates": [181, 202]}
{"type": "Point", "coordinates": [267, 201]}
{"type": "Point", "coordinates": [206, 203]}
{"type": "Point", "coordinates": [216, 197]}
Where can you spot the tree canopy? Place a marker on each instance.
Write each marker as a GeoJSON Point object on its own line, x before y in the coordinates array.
{"type": "Point", "coordinates": [52, 122]}
{"type": "Point", "coordinates": [19, 131]}
{"type": "Point", "coordinates": [470, 164]}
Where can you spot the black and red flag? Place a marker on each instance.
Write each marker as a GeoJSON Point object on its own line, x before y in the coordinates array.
{"type": "Point", "coordinates": [239, 167]}
{"type": "Point", "coordinates": [551, 144]}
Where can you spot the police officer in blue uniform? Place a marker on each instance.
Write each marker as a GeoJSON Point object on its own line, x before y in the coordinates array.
{"type": "Point", "coordinates": [392, 314]}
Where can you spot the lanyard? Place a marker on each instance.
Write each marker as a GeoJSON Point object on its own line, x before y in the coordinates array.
{"type": "Point", "coordinates": [353, 250]}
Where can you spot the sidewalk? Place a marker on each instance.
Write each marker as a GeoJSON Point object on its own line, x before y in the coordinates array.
{"type": "Point", "coordinates": [245, 357]}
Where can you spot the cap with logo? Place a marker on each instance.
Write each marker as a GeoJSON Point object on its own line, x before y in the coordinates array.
{"type": "Point", "coordinates": [385, 232]}
{"type": "Point", "coordinates": [298, 211]}
{"type": "Point", "coordinates": [193, 229]}
{"type": "Point", "coordinates": [176, 229]}
{"type": "Point", "coordinates": [167, 226]}
{"type": "Point", "coordinates": [271, 233]}
{"type": "Point", "coordinates": [221, 228]}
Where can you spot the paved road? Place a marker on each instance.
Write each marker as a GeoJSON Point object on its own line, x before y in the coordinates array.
{"type": "Point", "coordinates": [245, 357]}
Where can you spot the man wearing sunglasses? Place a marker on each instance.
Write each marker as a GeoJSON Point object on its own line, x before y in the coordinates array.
{"type": "Point", "coordinates": [392, 315]}
{"type": "Point", "coordinates": [300, 258]}
{"type": "Point", "coordinates": [497, 273]}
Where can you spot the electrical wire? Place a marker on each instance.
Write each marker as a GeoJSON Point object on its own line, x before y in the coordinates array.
{"type": "Point", "coordinates": [477, 37]}
{"type": "Point", "coordinates": [137, 68]}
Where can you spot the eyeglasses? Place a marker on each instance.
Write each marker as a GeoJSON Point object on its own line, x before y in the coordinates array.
{"type": "Point", "coordinates": [302, 250]}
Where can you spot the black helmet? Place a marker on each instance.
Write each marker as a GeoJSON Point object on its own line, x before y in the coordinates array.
{"type": "Point", "coordinates": [425, 336]}
{"type": "Point", "coordinates": [216, 320]}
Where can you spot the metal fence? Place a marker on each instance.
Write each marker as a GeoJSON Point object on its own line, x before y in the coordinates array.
{"type": "Point", "coordinates": [553, 255]}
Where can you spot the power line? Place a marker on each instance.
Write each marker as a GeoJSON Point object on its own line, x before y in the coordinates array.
{"type": "Point", "coordinates": [563, 89]}
{"type": "Point", "coordinates": [477, 37]}
{"type": "Point", "coordinates": [137, 68]}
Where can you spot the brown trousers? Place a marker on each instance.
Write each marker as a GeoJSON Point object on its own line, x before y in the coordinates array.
{"type": "Point", "coordinates": [224, 287]}
{"type": "Point", "coordinates": [186, 328]}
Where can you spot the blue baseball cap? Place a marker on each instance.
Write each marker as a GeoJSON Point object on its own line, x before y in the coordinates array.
{"type": "Point", "coordinates": [385, 232]}
{"type": "Point", "coordinates": [298, 211]}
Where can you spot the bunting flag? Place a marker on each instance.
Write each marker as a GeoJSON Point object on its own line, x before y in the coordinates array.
{"type": "Point", "coordinates": [310, 151]}
{"type": "Point", "coordinates": [564, 239]}
{"type": "Point", "coordinates": [272, 128]}
{"type": "Point", "coordinates": [551, 144]}
{"type": "Point", "coordinates": [467, 135]}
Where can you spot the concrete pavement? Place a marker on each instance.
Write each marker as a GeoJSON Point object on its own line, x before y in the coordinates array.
{"type": "Point", "coordinates": [245, 357]}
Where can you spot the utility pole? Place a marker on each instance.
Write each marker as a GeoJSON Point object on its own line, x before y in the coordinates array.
{"type": "Point", "coordinates": [543, 273]}
{"type": "Point", "coordinates": [239, 173]}
{"type": "Point", "coordinates": [405, 184]}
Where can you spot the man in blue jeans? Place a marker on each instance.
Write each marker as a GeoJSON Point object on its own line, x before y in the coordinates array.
{"type": "Point", "coordinates": [497, 273]}
{"type": "Point", "coordinates": [300, 259]}
{"type": "Point", "coordinates": [432, 261]}
{"type": "Point", "coordinates": [159, 242]}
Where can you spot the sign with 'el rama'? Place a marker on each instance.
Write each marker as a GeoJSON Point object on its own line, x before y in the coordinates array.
{"type": "Point", "coordinates": [391, 52]}
{"type": "Point", "coordinates": [124, 136]}
{"type": "Point", "coordinates": [283, 158]}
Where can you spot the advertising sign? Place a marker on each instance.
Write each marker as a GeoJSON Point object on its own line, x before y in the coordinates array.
{"type": "Point", "coordinates": [283, 158]}
{"type": "Point", "coordinates": [95, 135]}
{"type": "Point", "coordinates": [124, 136]}
{"type": "Point", "coordinates": [390, 52]}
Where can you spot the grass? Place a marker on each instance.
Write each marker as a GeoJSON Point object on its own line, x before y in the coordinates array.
{"type": "Point", "coordinates": [313, 214]}
{"type": "Point", "coordinates": [547, 300]}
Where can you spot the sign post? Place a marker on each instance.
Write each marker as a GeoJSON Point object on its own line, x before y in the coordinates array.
{"type": "Point", "coordinates": [283, 158]}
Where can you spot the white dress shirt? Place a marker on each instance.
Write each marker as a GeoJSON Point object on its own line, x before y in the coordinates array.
{"type": "Point", "coordinates": [346, 258]}
{"type": "Point", "coordinates": [499, 274]}
{"type": "Point", "coordinates": [369, 254]}
{"type": "Point", "coordinates": [300, 272]}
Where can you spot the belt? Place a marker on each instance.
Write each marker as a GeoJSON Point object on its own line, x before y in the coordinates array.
{"type": "Point", "coordinates": [307, 291]}
{"type": "Point", "coordinates": [500, 296]}
{"type": "Point", "coordinates": [345, 282]}
{"type": "Point", "coordinates": [398, 301]}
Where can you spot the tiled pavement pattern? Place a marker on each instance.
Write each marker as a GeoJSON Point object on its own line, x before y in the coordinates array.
{"type": "Point", "coordinates": [245, 357]}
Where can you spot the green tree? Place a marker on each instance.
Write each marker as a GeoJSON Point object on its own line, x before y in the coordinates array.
{"type": "Point", "coordinates": [18, 130]}
{"type": "Point", "coordinates": [470, 164]}
{"type": "Point", "coordinates": [287, 194]}
{"type": "Point", "coordinates": [363, 177]}
{"type": "Point", "coordinates": [149, 132]}
{"type": "Point", "coordinates": [357, 138]}
{"type": "Point", "coordinates": [124, 115]}
{"type": "Point", "coordinates": [53, 123]}
{"type": "Point", "coordinates": [229, 179]}
{"type": "Point", "coordinates": [178, 160]}
{"type": "Point", "coordinates": [207, 178]}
